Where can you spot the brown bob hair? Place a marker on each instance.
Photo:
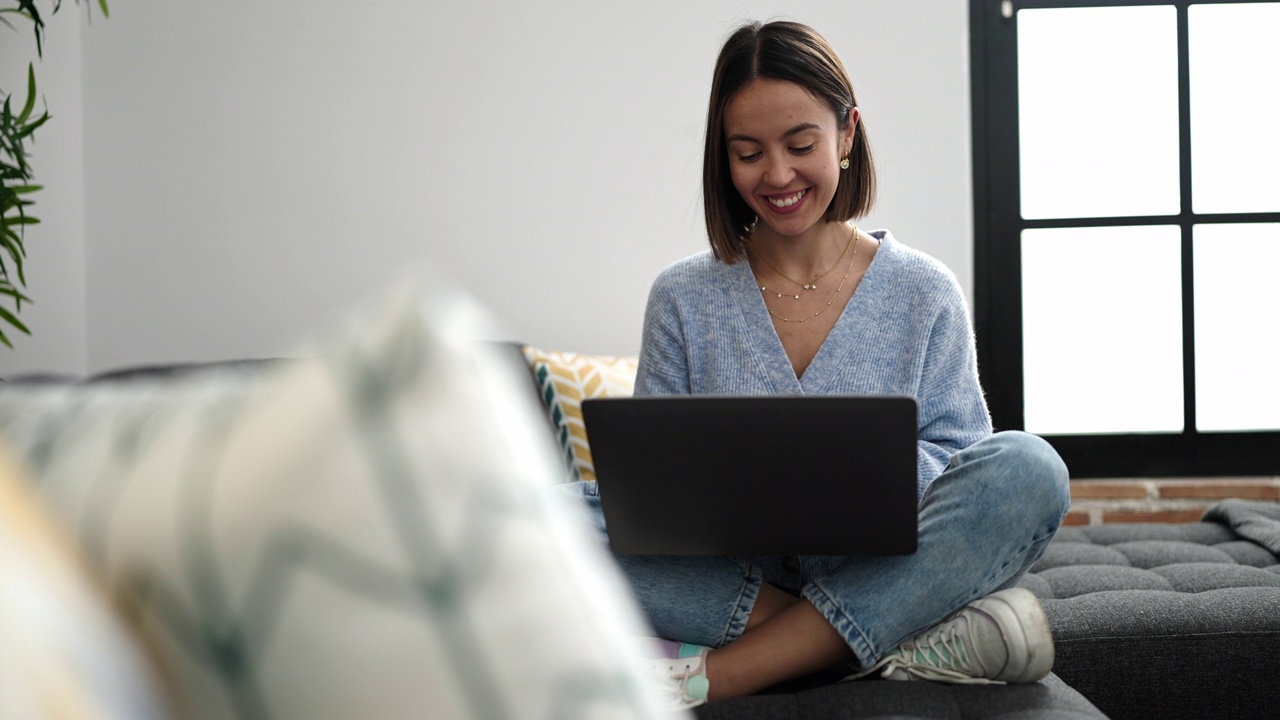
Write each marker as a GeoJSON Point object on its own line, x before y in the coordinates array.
{"type": "Point", "coordinates": [796, 53]}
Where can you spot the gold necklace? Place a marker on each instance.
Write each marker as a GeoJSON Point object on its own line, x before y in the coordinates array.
{"type": "Point", "coordinates": [812, 284]}
{"type": "Point", "coordinates": [833, 295]}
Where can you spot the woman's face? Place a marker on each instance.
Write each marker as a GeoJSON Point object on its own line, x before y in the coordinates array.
{"type": "Point", "coordinates": [784, 153]}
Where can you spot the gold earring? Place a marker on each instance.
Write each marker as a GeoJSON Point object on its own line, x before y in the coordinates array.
{"type": "Point", "coordinates": [844, 163]}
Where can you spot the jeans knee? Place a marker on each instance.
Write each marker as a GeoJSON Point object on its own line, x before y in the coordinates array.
{"type": "Point", "coordinates": [1042, 477]}
{"type": "Point", "coordinates": [1021, 474]}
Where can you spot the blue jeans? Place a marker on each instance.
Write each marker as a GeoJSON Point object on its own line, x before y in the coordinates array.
{"type": "Point", "coordinates": [983, 523]}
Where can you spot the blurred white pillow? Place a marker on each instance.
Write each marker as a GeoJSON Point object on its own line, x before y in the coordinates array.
{"type": "Point", "coordinates": [367, 534]}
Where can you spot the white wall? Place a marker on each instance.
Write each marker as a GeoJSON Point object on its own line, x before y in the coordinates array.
{"type": "Point", "coordinates": [55, 263]}
{"type": "Point", "coordinates": [252, 169]}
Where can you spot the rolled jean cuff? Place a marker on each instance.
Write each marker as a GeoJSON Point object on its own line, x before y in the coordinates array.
{"type": "Point", "coordinates": [752, 580]}
{"type": "Point", "coordinates": [864, 651]}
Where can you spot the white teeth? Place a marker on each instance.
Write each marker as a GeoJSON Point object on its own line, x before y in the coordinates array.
{"type": "Point", "coordinates": [787, 201]}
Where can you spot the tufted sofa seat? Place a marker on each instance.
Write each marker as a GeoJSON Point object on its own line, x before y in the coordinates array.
{"type": "Point", "coordinates": [1163, 620]}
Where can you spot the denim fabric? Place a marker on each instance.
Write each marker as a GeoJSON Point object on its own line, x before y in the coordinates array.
{"type": "Point", "coordinates": [983, 523]}
{"type": "Point", "coordinates": [694, 599]}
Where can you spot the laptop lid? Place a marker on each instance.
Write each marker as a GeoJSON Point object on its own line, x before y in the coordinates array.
{"type": "Point", "coordinates": [758, 475]}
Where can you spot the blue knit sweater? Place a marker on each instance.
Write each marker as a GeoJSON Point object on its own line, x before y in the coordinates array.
{"type": "Point", "coordinates": [906, 331]}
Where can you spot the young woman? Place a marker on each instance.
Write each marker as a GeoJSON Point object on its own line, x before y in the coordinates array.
{"type": "Point", "coordinates": [793, 298]}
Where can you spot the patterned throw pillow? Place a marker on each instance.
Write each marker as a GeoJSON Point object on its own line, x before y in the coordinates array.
{"type": "Point", "coordinates": [64, 654]}
{"type": "Point", "coordinates": [566, 379]}
{"type": "Point", "coordinates": [374, 533]}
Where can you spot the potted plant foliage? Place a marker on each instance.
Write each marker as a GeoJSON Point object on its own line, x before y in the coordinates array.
{"type": "Point", "coordinates": [17, 127]}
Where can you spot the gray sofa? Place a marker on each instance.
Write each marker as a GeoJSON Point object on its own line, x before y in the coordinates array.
{"type": "Point", "coordinates": [1169, 621]}
{"type": "Point", "coordinates": [1150, 621]}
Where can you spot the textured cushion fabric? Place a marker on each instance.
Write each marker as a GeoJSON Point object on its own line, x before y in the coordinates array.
{"type": "Point", "coordinates": [365, 534]}
{"type": "Point", "coordinates": [64, 653]}
{"type": "Point", "coordinates": [1192, 557]}
{"type": "Point", "coordinates": [1049, 699]}
{"type": "Point", "coordinates": [1164, 620]}
{"type": "Point", "coordinates": [564, 381]}
{"type": "Point", "coordinates": [1167, 654]}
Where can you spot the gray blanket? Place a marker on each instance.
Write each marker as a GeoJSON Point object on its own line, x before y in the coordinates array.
{"type": "Point", "coordinates": [1256, 521]}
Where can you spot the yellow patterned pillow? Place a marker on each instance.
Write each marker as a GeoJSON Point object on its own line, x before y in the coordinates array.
{"type": "Point", "coordinates": [566, 379]}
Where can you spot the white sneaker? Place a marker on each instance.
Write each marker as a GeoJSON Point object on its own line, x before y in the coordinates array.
{"type": "Point", "coordinates": [1001, 638]}
{"type": "Point", "coordinates": [682, 680]}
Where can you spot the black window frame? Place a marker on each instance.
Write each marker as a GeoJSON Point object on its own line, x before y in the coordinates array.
{"type": "Point", "coordinates": [997, 266]}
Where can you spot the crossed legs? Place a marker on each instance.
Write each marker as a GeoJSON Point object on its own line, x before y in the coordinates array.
{"type": "Point", "coordinates": [785, 638]}
{"type": "Point", "coordinates": [983, 523]}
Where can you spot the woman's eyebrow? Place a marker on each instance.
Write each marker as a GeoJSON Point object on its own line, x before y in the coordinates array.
{"type": "Point", "coordinates": [793, 131]}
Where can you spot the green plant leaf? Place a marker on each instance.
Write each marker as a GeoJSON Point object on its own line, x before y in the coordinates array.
{"type": "Point", "coordinates": [15, 11]}
{"type": "Point", "coordinates": [10, 235]}
{"type": "Point", "coordinates": [15, 170]}
{"type": "Point", "coordinates": [11, 201]}
{"type": "Point", "coordinates": [7, 289]}
{"type": "Point", "coordinates": [13, 320]}
{"type": "Point", "coordinates": [31, 94]}
{"type": "Point", "coordinates": [28, 8]}
{"type": "Point", "coordinates": [31, 127]}
{"type": "Point", "coordinates": [12, 244]}
{"type": "Point", "coordinates": [12, 241]}
{"type": "Point", "coordinates": [10, 197]}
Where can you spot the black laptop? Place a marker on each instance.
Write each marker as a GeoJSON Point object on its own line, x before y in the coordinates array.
{"type": "Point", "coordinates": [759, 475]}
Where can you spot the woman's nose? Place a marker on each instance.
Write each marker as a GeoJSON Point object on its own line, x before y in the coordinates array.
{"type": "Point", "coordinates": [778, 172]}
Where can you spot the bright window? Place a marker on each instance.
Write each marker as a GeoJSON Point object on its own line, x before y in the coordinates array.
{"type": "Point", "coordinates": [1127, 230]}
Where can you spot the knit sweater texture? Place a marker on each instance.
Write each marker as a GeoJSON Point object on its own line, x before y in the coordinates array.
{"type": "Point", "coordinates": [905, 331]}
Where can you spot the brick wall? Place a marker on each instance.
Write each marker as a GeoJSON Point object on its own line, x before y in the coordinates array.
{"type": "Point", "coordinates": [1094, 502]}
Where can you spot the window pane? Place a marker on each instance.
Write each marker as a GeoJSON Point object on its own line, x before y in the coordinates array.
{"type": "Point", "coordinates": [1102, 330]}
{"type": "Point", "coordinates": [1235, 73]}
{"type": "Point", "coordinates": [1098, 111]}
{"type": "Point", "coordinates": [1237, 338]}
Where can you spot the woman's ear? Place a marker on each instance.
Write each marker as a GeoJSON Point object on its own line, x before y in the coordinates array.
{"type": "Point", "coordinates": [854, 116]}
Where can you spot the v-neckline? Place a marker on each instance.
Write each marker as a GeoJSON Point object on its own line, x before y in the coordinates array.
{"type": "Point", "coordinates": [831, 352]}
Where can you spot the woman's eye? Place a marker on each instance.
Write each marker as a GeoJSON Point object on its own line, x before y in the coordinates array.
{"type": "Point", "coordinates": [749, 158]}
{"type": "Point", "coordinates": [803, 150]}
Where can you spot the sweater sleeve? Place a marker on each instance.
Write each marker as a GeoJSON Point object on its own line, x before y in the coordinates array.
{"type": "Point", "coordinates": [953, 411]}
{"type": "Point", "coordinates": [663, 367]}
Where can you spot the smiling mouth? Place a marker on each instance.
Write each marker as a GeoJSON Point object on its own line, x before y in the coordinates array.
{"type": "Point", "coordinates": [786, 201]}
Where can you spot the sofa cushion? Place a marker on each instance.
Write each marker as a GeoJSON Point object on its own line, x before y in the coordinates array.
{"type": "Point", "coordinates": [564, 381]}
{"type": "Point", "coordinates": [1163, 620]}
{"type": "Point", "coordinates": [1049, 699]}
{"type": "Point", "coordinates": [1170, 654]}
{"type": "Point", "coordinates": [364, 534]}
{"type": "Point", "coordinates": [1191, 557]}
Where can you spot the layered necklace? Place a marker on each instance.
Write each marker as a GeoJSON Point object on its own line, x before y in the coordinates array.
{"type": "Point", "coordinates": [812, 284]}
